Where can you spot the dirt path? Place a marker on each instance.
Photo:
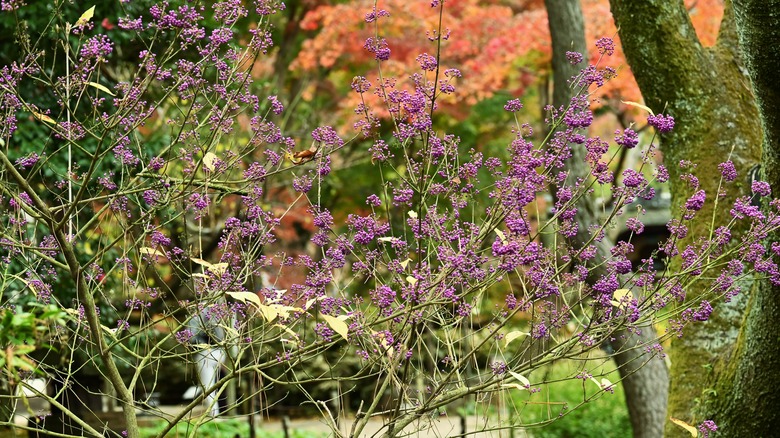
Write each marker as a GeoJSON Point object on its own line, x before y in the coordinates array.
{"type": "Point", "coordinates": [440, 427]}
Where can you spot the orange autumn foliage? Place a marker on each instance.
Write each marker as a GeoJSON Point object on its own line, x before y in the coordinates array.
{"type": "Point", "coordinates": [497, 45]}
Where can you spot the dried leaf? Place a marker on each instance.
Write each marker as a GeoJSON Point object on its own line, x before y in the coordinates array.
{"type": "Point", "coordinates": [303, 154]}
{"type": "Point", "coordinates": [44, 118]}
{"type": "Point", "coordinates": [638, 105]}
{"type": "Point", "coordinates": [692, 430]}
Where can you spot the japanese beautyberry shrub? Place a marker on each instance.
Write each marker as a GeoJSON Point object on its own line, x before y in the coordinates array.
{"type": "Point", "coordinates": [443, 286]}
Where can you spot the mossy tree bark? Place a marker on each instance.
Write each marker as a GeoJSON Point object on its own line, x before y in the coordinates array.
{"type": "Point", "coordinates": [747, 394]}
{"type": "Point", "coordinates": [644, 380]}
{"type": "Point", "coordinates": [708, 93]}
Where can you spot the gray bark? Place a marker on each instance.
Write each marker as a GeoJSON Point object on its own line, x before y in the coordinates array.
{"type": "Point", "coordinates": [567, 30]}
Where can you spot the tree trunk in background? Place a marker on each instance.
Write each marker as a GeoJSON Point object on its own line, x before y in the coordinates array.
{"type": "Point", "coordinates": [645, 380]}
{"type": "Point", "coordinates": [749, 391]}
{"type": "Point", "coordinates": [709, 96]}
{"type": "Point", "coordinates": [567, 30]}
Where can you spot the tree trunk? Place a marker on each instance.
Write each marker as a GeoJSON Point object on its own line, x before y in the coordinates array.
{"type": "Point", "coordinates": [708, 94]}
{"type": "Point", "coordinates": [567, 30]}
{"type": "Point", "coordinates": [748, 395]}
{"type": "Point", "coordinates": [645, 380]}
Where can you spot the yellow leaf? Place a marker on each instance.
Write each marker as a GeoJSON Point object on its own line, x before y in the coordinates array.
{"type": "Point", "coordinates": [23, 349]}
{"type": "Point", "coordinates": [312, 301]}
{"type": "Point", "coordinates": [30, 285]}
{"type": "Point", "coordinates": [246, 297]}
{"type": "Point", "coordinates": [638, 105]}
{"type": "Point", "coordinates": [284, 311]}
{"type": "Point", "coordinates": [619, 295]}
{"type": "Point", "coordinates": [102, 88]}
{"type": "Point", "coordinates": [269, 312]}
{"type": "Point", "coordinates": [218, 268]}
{"type": "Point", "coordinates": [209, 161]}
{"type": "Point", "coordinates": [276, 300]}
{"type": "Point", "coordinates": [692, 430]}
{"type": "Point", "coordinates": [287, 329]}
{"type": "Point", "coordinates": [603, 384]}
{"type": "Point", "coordinates": [44, 118]}
{"type": "Point", "coordinates": [511, 336]}
{"type": "Point", "coordinates": [383, 341]}
{"type": "Point", "coordinates": [202, 262]}
{"type": "Point", "coordinates": [501, 235]}
{"type": "Point", "coordinates": [337, 325]}
{"type": "Point", "coordinates": [521, 378]}
{"type": "Point", "coordinates": [231, 332]}
{"type": "Point", "coordinates": [85, 17]}
{"type": "Point", "coordinates": [151, 251]}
